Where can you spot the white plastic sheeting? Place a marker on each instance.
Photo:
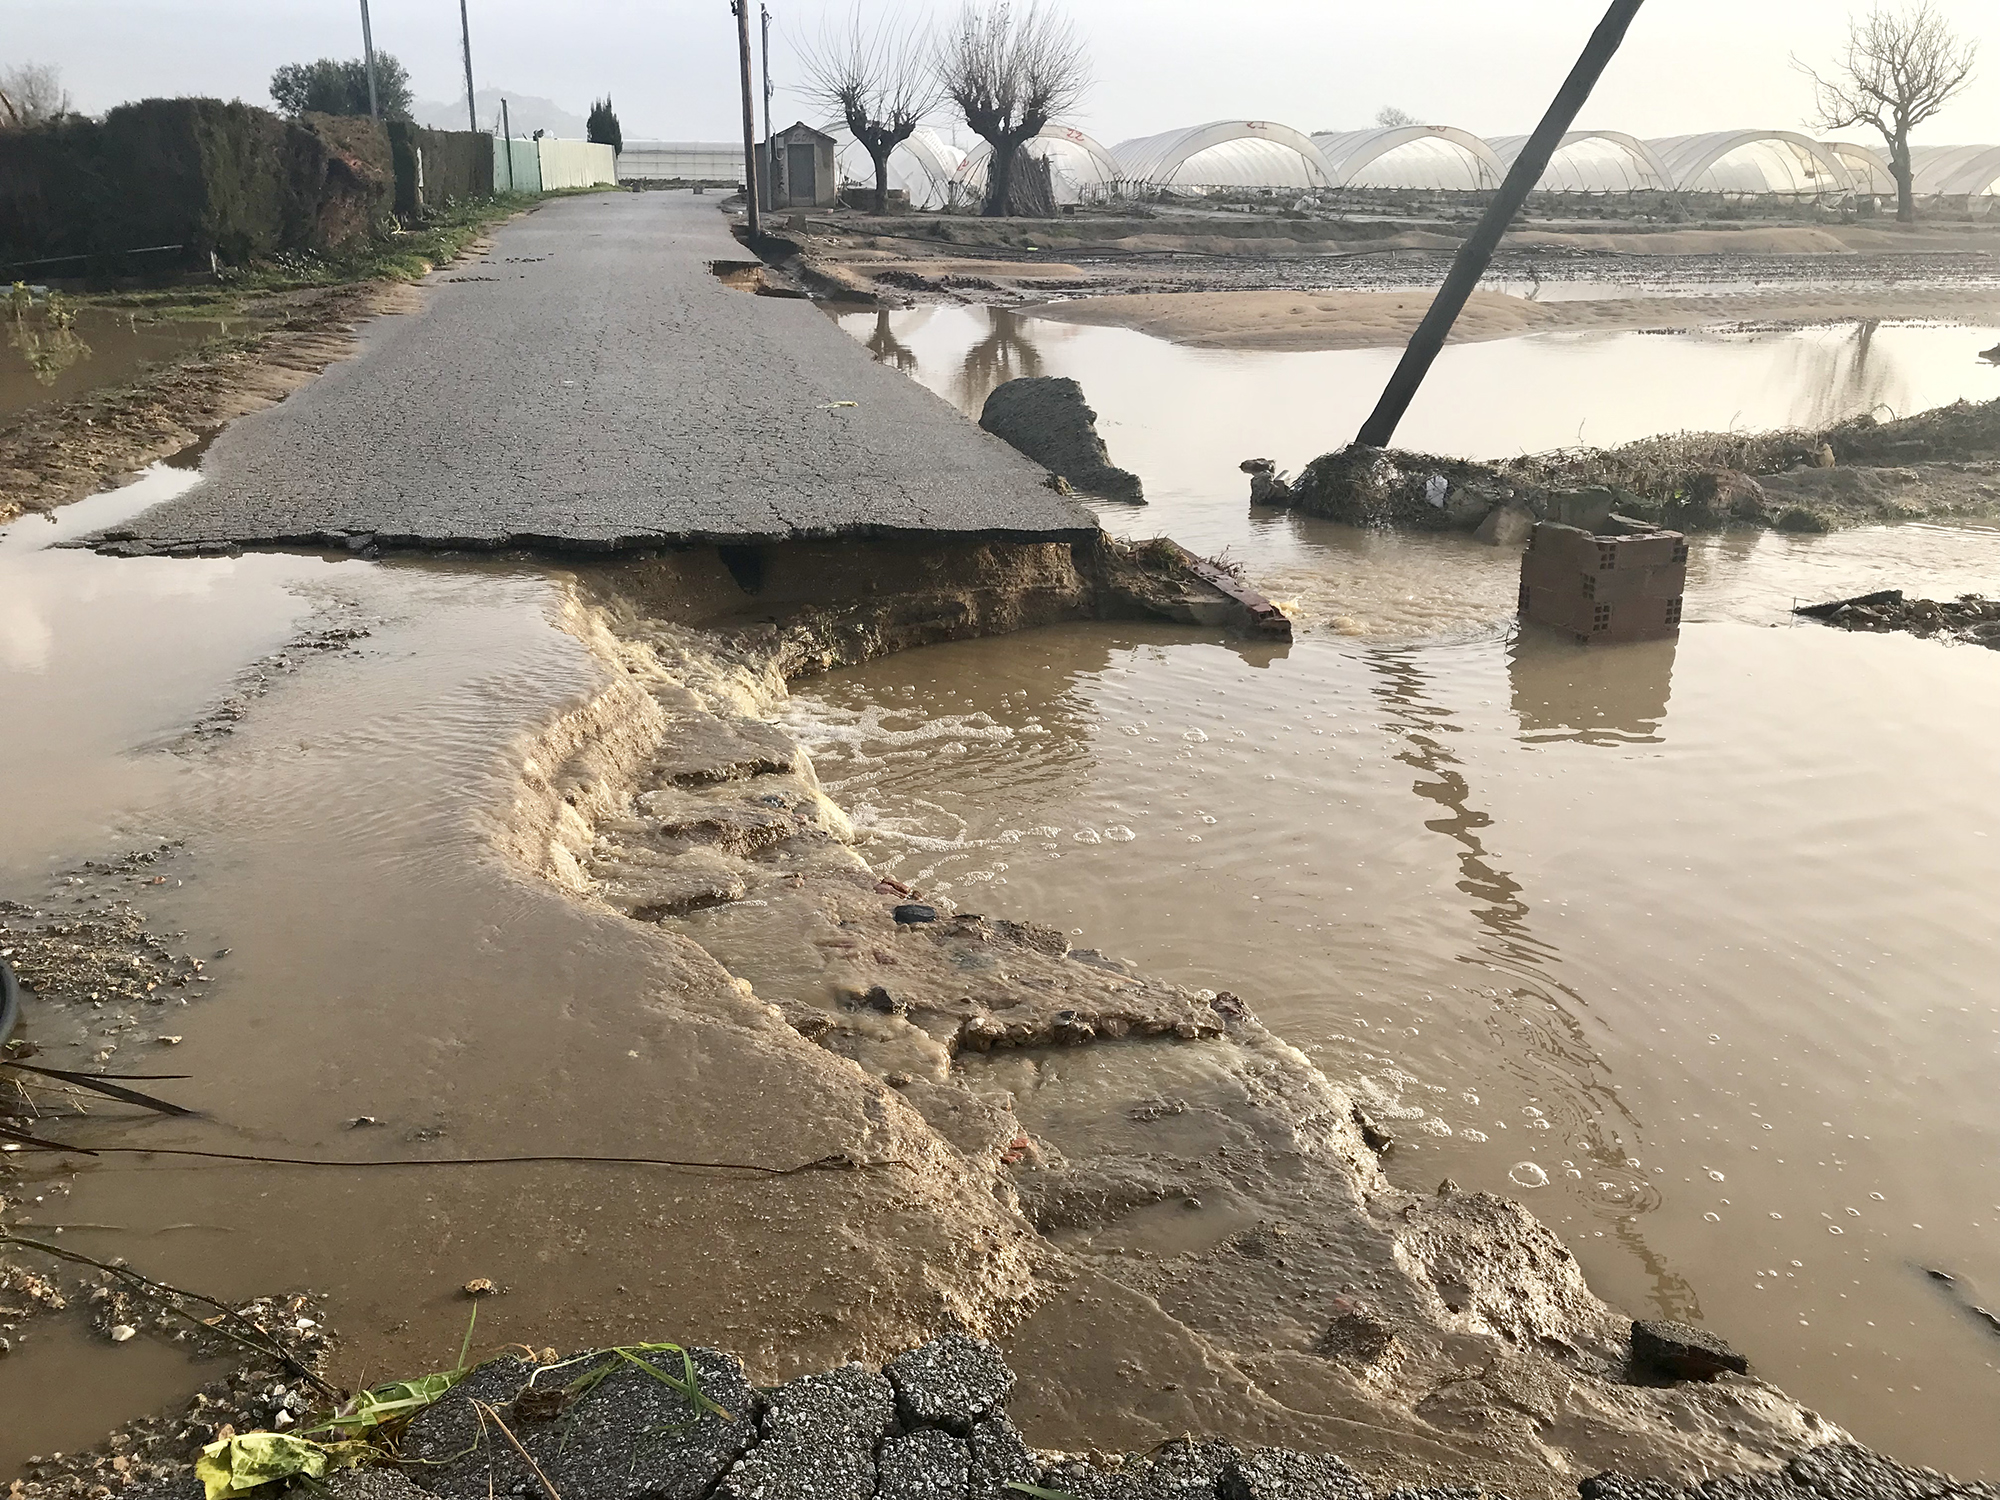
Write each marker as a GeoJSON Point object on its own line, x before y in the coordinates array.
{"type": "Point", "coordinates": [1079, 168]}
{"type": "Point", "coordinates": [1956, 171]}
{"type": "Point", "coordinates": [1867, 167]}
{"type": "Point", "coordinates": [1224, 154]}
{"type": "Point", "coordinates": [922, 165]}
{"type": "Point", "coordinates": [1591, 161]}
{"type": "Point", "coordinates": [1751, 161]}
{"type": "Point", "coordinates": [576, 164]}
{"type": "Point", "coordinates": [681, 161]}
{"type": "Point", "coordinates": [1410, 156]}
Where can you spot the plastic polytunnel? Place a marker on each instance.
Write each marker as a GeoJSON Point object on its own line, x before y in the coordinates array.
{"type": "Point", "coordinates": [1956, 171]}
{"type": "Point", "coordinates": [1079, 168]}
{"type": "Point", "coordinates": [1410, 156]}
{"type": "Point", "coordinates": [922, 165]}
{"type": "Point", "coordinates": [1867, 167]}
{"type": "Point", "coordinates": [1591, 161]}
{"type": "Point", "coordinates": [1223, 154]}
{"type": "Point", "coordinates": [1751, 161]}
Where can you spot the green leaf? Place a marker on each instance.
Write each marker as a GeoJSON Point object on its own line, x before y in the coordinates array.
{"type": "Point", "coordinates": [237, 1465]}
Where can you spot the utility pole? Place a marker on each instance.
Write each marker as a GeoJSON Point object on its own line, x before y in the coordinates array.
{"type": "Point", "coordinates": [756, 219]}
{"type": "Point", "coordinates": [1477, 252]}
{"type": "Point", "coordinates": [471, 109]}
{"type": "Point", "coordinates": [368, 55]}
{"type": "Point", "coordinates": [765, 12]}
{"type": "Point", "coordinates": [507, 138]}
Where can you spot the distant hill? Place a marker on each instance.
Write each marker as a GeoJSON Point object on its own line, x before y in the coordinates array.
{"type": "Point", "coordinates": [525, 113]}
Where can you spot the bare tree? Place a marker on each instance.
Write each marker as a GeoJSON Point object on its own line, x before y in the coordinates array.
{"type": "Point", "coordinates": [1899, 68]}
{"type": "Point", "coordinates": [1388, 117]}
{"type": "Point", "coordinates": [32, 94]}
{"type": "Point", "coordinates": [878, 81]}
{"type": "Point", "coordinates": [1010, 72]}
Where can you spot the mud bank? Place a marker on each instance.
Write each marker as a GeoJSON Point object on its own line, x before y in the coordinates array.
{"type": "Point", "coordinates": [1939, 465]}
{"type": "Point", "coordinates": [1205, 1241]}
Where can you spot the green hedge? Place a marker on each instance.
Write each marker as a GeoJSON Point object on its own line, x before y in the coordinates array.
{"type": "Point", "coordinates": [210, 176]}
{"type": "Point", "coordinates": [457, 164]}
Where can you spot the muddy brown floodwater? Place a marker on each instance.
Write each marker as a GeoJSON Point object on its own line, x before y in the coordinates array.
{"type": "Point", "coordinates": [101, 347]}
{"type": "Point", "coordinates": [1688, 945]}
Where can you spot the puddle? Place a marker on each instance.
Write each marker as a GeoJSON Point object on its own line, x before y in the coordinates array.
{"type": "Point", "coordinates": [104, 347]}
{"type": "Point", "coordinates": [133, 1378]}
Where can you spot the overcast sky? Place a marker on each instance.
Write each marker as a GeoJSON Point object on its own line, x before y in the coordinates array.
{"type": "Point", "coordinates": [1688, 65]}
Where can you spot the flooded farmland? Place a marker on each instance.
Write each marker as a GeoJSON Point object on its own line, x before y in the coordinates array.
{"type": "Point", "coordinates": [1687, 944]}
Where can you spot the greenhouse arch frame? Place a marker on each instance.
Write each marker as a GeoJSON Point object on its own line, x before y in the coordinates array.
{"type": "Point", "coordinates": [1075, 159]}
{"type": "Point", "coordinates": [1689, 157]}
{"type": "Point", "coordinates": [1645, 169]}
{"type": "Point", "coordinates": [1350, 153]}
{"type": "Point", "coordinates": [1156, 161]}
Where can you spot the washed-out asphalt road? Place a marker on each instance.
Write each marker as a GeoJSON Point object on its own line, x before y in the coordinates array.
{"type": "Point", "coordinates": [591, 384]}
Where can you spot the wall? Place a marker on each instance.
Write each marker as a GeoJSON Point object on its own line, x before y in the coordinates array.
{"type": "Point", "coordinates": [457, 164]}
{"type": "Point", "coordinates": [517, 166]}
{"type": "Point", "coordinates": [576, 164]}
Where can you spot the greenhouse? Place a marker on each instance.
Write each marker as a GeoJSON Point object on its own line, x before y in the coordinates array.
{"type": "Point", "coordinates": [1223, 154]}
{"type": "Point", "coordinates": [1867, 167]}
{"type": "Point", "coordinates": [1080, 170]}
{"type": "Point", "coordinates": [1752, 162]}
{"type": "Point", "coordinates": [922, 166]}
{"type": "Point", "coordinates": [1956, 171]}
{"type": "Point", "coordinates": [1439, 157]}
{"type": "Point", "coordinates": [1592, 161]}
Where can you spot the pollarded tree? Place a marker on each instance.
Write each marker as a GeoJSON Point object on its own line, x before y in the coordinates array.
{"type": "Point", "coordinates": [1899, 68]}
{"type": "Point", "coordinates": [877, 81]}
{"type": "Point", "coordinates": [1009, 72]}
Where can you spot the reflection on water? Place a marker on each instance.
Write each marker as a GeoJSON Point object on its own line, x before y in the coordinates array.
{"type": "Point", "coordinates": [46, 348]}
{"type": "Point", "coordinates": [1564, 691]}
{"type": "Point", "coordinates": [1184, 418]}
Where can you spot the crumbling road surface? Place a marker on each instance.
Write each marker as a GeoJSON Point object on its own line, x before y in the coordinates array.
{"type": "Point", "coordinates": [591, 384]}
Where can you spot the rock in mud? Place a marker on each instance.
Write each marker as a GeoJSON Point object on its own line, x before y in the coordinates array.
{"type": "Point", "coordinates": [1507, 525]}
{"type": "Point", "coordinates": [1683, 1351]}
{"type": "Point", "coordinates": [1046, 417]}
{"type": "Point", "coordinates": [628, 1436]}
{"type": "Point", "coordinates": [951, 1382]}
{"type": "Point", "coordinates": [820, 1436]}
{"type": "Point", "coordinates": [1000, 1458]}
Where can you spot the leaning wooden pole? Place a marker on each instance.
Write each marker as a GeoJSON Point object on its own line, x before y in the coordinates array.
{"type": "Point", "coordinates": [1477, 252]}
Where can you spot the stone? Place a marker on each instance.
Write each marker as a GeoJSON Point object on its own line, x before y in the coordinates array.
{"type": "Point", "coordinates": [951, 1382]}
{"type": "Point", "coordinates": [1506, 525]}
{"type": "Point", "coordinates": [1267, 485]}
{"type": "Point", "coordinates": [820, 1434]}
{"type": "Point", "coordinates": [1683, 1351]}
{"type": "Point", "coordinates": [913, 912]}
{"type": "Point", "coordinates": [629, 1436]}
{"type": "Point", "coordinates": [1000, 1457]}
{"type": "Point", "coordinates": [1046, 418]}
{"type": "Point", "coordinates": [924, 1465]}
{"type": "Point", "coordinates": [1280, 1474]}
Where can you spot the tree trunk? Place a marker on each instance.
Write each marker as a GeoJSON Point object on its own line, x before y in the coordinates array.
{"type": "Point", "coordinates": [881, 180]}
{"type": "Point", "coordinates": [1900, 169]}
{"type": "Point", "coordinates": [999, 178]}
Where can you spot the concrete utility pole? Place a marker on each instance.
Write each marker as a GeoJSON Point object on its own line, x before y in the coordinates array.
{"type": "Point", "coordinates": [1477, 252]}
{"type": "Point", "coordinates": [471, 109]}
{"type": "Point", "coordinates": [368, 55]}
{"type": "Point", "coordinates": [507, 139]}
{"type": "Point", "coordinates": [764, 11]}
{"type": "Point", "coordinates": [756, 221]}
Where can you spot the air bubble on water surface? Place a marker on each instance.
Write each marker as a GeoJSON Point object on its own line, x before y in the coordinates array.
{"type": "Point", "coordinates": [1527, 1174]}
